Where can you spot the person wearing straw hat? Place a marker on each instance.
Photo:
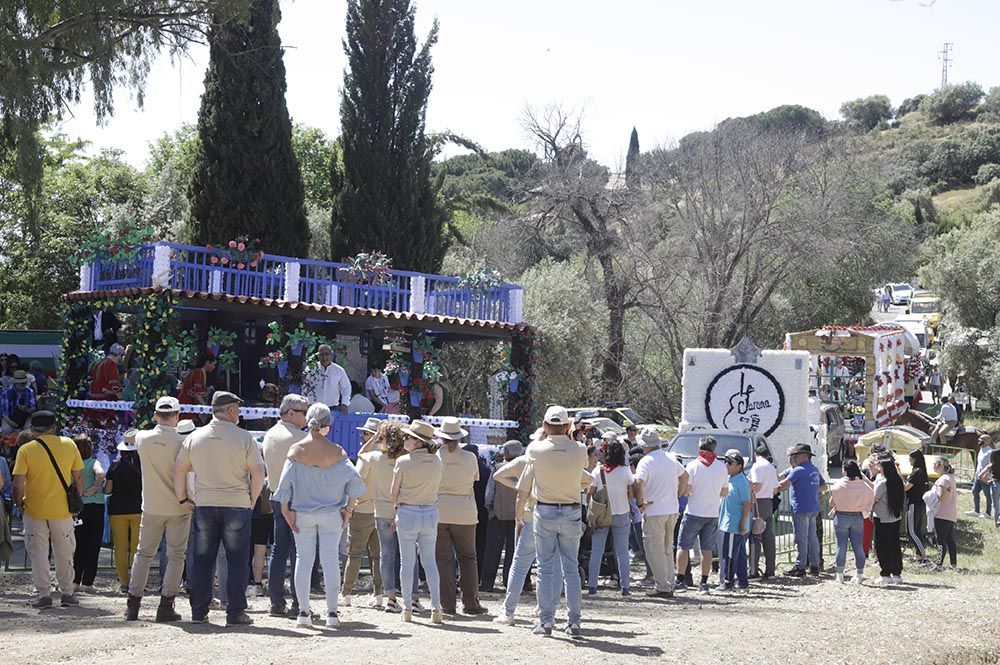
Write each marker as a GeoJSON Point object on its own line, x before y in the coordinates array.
{"type": "Point", "coordinates": [17, 402]}
{"type": "Point", "coordinates": [415, 486]}
{"type": "Point", "coordinates": [459, 515]}
{"type": "Point", "coordinates": [229, 476]}
{"type": "Point", "coordinates": [162, 517]}
{"type": "Point", "coordinates": [277, 441]}
{"type": "Point", "coordinates": [123, 486]}
{"type": "Point", "coordinates": [556, 465]}
{"type": "Point", "coordinates": [361, 533]}
{"type": "Point", "coordinates": [660, 482]}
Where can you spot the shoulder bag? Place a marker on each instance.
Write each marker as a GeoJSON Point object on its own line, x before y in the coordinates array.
{"type": "Point", "coordinates": [599, 506]}
{"type": "Point", "coordinates": [73, 498]}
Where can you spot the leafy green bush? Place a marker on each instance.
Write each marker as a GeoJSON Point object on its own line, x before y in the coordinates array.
{"type": "Point", "coordinates": [987, 173]}
{"type": "Point", "coordinates": [953, 103]}
{"type": "Point", "coordinates": [909, 105]}
{"type": "Point", "coordinates": [867, 112]}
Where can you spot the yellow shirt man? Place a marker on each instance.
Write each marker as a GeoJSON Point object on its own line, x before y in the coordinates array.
{"type": "Point", "coordinates": [44, 493]}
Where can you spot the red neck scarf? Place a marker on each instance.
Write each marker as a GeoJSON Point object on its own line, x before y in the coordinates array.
{"type": "Point", "coordinates": [706, 457]}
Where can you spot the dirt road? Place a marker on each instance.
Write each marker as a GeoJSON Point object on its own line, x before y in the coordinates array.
{"type": "Point", "coordinates": [791, 621]}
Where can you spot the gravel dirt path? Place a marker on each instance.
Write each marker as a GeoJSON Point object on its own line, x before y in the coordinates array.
{"type": "Point", "coordinates": [789, 621]}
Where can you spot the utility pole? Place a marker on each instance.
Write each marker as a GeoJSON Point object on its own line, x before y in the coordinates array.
{"type": "Point", "coordinates": [944, 56]}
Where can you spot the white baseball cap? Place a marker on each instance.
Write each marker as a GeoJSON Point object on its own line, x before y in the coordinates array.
{"type": "Point", "coordinates": [167, 404]}
{"type": "Point", "coordinates": [556, 415]}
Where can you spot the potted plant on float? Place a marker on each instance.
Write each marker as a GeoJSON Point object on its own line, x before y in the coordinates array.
{"type": "Point", "coordinates": [219, 338]}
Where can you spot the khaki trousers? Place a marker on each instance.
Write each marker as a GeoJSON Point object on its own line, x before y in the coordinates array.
{"type": "Point", "coordinates": [658, 539]}
{"type": "Point", "coordinates": [361, 536]}
{"type": "Point", "coordinates": [153, 528]}
{"type": "Point", "coordinates": [458, 540]}
{"type": "Point", "coordinates": [39, 534]}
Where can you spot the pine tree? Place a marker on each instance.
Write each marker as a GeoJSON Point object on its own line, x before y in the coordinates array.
{"type": "Point", "coordinates": [384, 196]}
{"type": "Point", "coordinates": [631, 161]}
{"type": "Point", "coordinates": [247, 181]}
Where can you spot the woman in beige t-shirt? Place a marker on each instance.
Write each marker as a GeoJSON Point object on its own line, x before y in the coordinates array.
{"type": "Point", "coordinates": [415, 484]}
{"type": "Point", "coordinates": [458, 518]}
{"type": "Point", "coordinates": [376, 465]}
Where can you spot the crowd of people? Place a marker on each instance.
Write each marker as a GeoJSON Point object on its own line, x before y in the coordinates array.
{"type": "Point", "coordinates": [429, 513]}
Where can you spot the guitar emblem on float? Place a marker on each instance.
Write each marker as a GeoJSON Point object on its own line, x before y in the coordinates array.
{"type": "Point", "coordinates": [744, 409]}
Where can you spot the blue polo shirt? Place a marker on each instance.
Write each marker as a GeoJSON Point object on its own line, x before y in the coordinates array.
{"type": "Point", "coordinates": [731, 508]}
{"type": "Point", "coordinates": [805, 481]}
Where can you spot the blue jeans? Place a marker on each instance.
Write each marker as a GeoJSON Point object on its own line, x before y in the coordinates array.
{"type": "Point", "coordinates": [620, 527]}
{"type": "Point", "coordinates": [850, 527]}
{"type": "Point", "coordinates": [557, 535]}
{"type": "Point", "coordinates": [524, 557]}
{"type": "Point", "coordinates": [417, 526]}
{"type": "Point", "coordinates": [389, 560]}
{"type": "Point", "coordinates": [283, 548]}
{"type": "Point", "coordinates": [733, 560]}
{"type": "Point", "coordinates": [806, 540]}
{"type": "Point", "coordinates": [977, 487]}
{"type": "Point", "coordinates": [325, 526]}
{"type": "Point", "coordinates": [230, 527]}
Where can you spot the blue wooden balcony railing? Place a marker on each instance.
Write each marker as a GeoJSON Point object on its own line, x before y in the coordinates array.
{"type": "Point", "coordinates": [190, 268]}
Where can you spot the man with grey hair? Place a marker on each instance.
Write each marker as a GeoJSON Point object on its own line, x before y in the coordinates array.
{"type": "Point", "coordinates": [277, 441]}
{"type": "Point", "coordinates": [500, 504]}
{"type": "Point", "coordinates": [229, 476]}
{"type": "Point", "coordinates": [162, 516]}
{"type": "Point", "coordinates": [330, 383]}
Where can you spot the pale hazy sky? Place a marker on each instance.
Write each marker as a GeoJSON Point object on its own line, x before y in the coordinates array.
{"type": "Point", "coordinates": [668, 67]}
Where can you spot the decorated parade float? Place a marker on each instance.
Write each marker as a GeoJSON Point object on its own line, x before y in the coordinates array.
{"type": "Point", "coordinates": [261, 318]}
{"type": "Point", "coordinates": [868, 372]}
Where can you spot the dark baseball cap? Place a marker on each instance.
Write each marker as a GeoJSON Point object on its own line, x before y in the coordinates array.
{"type": "Point", "coordinates": [43, 419]}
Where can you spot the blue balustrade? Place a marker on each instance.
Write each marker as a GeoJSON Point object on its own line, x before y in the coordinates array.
{"type": "Point", "coordinates": [191, 268]}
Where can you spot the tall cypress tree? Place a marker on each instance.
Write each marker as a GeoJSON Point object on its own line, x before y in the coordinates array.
{"type": "Point", "coordinates": [385, 199]}
{"type": "Point", "coordinates": [632, 161]}
{"type": "Point", "coordinates": [247, 181]}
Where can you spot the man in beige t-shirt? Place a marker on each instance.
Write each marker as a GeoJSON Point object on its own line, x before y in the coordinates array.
{"type": "Point", "coordinates": [162, 515]}
{"type": "Point", "coordinates": [552, 477]}
{"type": "Point", "coordinates": [277, 441]}
{"type": "Point", "coordinates": [229, 476]}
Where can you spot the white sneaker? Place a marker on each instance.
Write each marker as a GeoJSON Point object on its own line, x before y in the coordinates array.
{"type": "Point", "coordinates": [882, 581]}
{"type": "Point", "coordinates": [897, 579]}
{"type": "Point", "coordinates": [332, 620]}
{"type": "Point", "coordinates": [88, 589]}
{"type": "Point", "coordinates": [416, 606]}
{"type": "Point", "coordinates": [505, 619]}
{"type": "Point", "coordinates": [840, 578]}
{"type": "Point", "coordinates": [345, 601]}
{"type": "Point", "coordinates": [393, 607]}
{"type": "Point", "coordinates": [857, 579]}
{"type": "Point", "coordinates": [255, 590]}
{"type": "Point", "coordinates": [304, 620]}
{"type": "Point", "coordinates": [377, 602]}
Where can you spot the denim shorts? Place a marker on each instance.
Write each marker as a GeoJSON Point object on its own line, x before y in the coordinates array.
{"type": "Point", "coordinates": [705, 529]}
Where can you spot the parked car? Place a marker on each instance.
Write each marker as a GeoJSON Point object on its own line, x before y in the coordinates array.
{"type": "Point", "coordinates": [684, 445]}
{"type": "Point", "coordinates": [927, 305]}
{"type": "Point", "coordinates": [901, 293]}
{"type": "Point", "coordinates": [836, 448]}
{"type": "Point", "coordinates": [623, 416]}
{"type": "Point", "coordinates": [917, 326]}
